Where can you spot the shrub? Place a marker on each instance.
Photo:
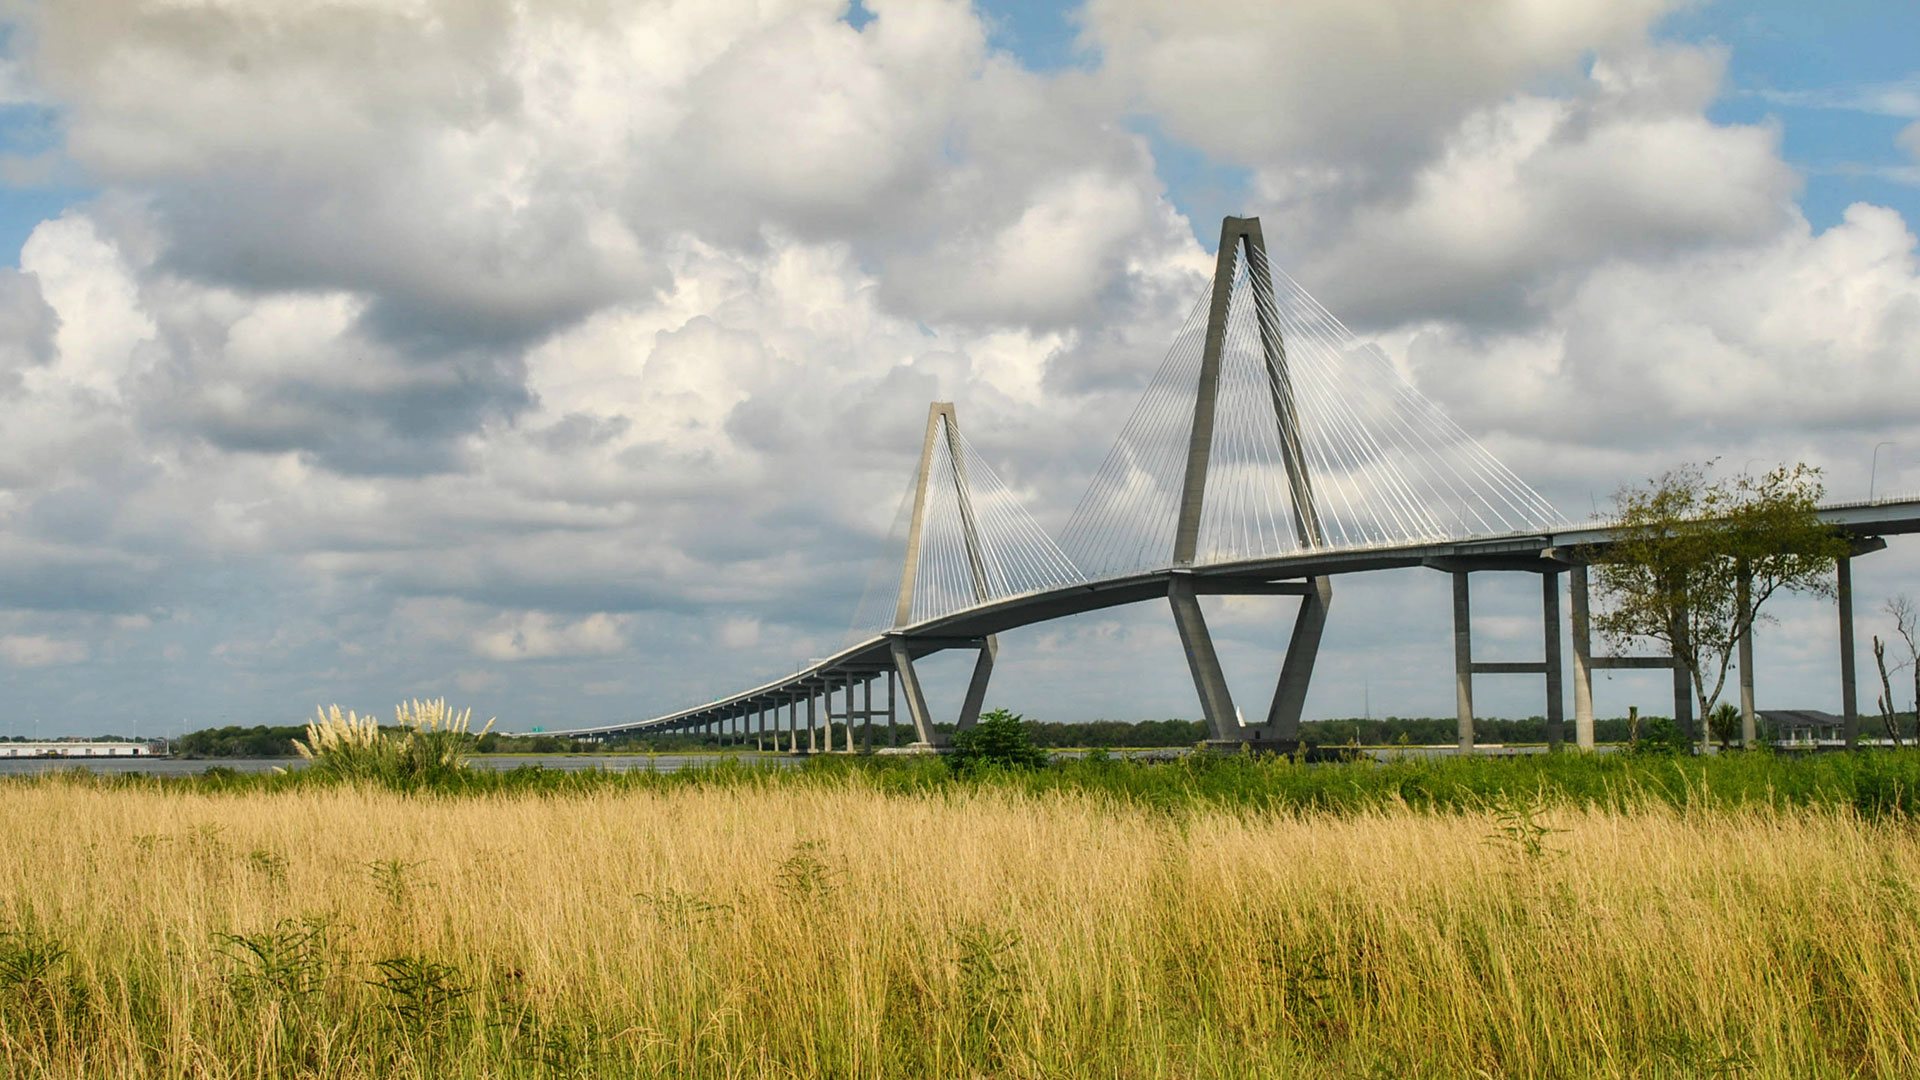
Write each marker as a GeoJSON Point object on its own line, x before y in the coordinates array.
{"type": "Point", "coordinates": [348, 746]}
{"type": "Point", "coordinates": [999, 739]}
{"type": "Point", "coordinates": [428, 744]}
{"type": "Point", "coordinates": [1659, 735]}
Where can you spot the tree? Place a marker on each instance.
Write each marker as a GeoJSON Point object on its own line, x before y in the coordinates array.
{"type": "Point", "coordinates": [1000, 738]}
{"type": "Point", "coordinates": [1889, 715]}
{"type": "Point", "coordinates": [1906, 623]}
{"type": "Point", "coordinates": [1724, 723]}
{"type": "Point", "coordinates": [1695, 558]}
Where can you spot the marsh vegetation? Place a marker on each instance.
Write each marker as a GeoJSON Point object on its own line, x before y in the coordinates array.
{"type": "Point", "coordinates": [1565, 917]}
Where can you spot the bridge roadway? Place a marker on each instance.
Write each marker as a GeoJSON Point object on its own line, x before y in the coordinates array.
{"type": "Point", "coordinates": [968, 628]}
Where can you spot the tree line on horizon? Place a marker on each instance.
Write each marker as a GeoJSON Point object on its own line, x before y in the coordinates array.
{"type": "Point", "coordinates": [268, 741]}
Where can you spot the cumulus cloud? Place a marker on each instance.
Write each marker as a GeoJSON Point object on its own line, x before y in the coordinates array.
{"type": "Point", "coordinates": [1809, 330]}
{"type": "Point", "coordinates": [1528, 190]}
{"type": "Point", "coordinates": [536, 635]}
{"type": "Point", "coordinates": [1326, 84]}
{"type": "Point", "coordinates": [38, 650]}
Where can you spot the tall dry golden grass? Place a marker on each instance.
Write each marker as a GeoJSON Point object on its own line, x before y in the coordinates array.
{"type": "Point", "coordinates": [834, 932]}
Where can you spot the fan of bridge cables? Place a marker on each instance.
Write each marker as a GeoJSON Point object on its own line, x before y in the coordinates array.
{"type": "Point", "coordinates": [977, 543]}
{"type": "Point", "coordinates": [1383, 464]}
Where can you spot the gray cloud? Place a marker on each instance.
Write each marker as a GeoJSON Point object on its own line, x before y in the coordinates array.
{"type": "Point", "coordinates": [27, 325]}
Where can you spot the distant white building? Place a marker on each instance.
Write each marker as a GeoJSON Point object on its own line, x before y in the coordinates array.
{"type": "Point", "coordinates": [63, 749]}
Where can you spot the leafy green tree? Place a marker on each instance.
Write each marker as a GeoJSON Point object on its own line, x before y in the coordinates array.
{"type": "Point", "coordinates": [236, 741]}
{"type": "Point", "coordinates": [999, 739]}
{"type": "Point", "coordinates": [1696, 557]}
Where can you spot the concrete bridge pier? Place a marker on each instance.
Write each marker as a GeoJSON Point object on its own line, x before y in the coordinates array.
{"type": "Point", "coordinates": [1465, 667]}
{"type": "Point", "coordinates": [919, 714]}
{"type": "Point", "coordinates": [866, 718]}
{"type": "Point", "coordinates": [849, 713]}
{"type": "Point", "coordinates": [1843, 599]}
{"type": "Point", "coordinates": [1585, 663]}
{"type": "Point", "coordinates": [892, 703]}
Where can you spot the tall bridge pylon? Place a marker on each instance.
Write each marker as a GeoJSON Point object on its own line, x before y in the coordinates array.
{"type": "Point", "coordinates": [969, 542]}
{"type": "Point", "coordinates": [1282, 725]}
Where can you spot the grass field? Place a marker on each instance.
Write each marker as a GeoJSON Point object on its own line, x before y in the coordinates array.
{"type": "Point", "coordinates": [844, 922]}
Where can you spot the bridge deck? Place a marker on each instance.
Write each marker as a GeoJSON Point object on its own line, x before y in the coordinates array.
{"type": "Point", "coordinates": [967, 627]}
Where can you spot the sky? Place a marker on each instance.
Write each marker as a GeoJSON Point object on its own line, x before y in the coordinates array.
{"type": "Point", "coordinates": [568, 360]}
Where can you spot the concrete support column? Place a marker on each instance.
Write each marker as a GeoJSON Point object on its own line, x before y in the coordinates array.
{"type": "Point", "coordinates": [813, 745]}
{"type": "Point", "coordinates": [1463, 659]}
{"type": "Point", "coordinates": [1296, 671]}
{"type": "Point", "coordinates": [849, 714]}
{"type": "Point", "coordinates": [1849, 696]}
{"type": "Point", "coordinates": [923, 733]}
{"type": "Point", "coordinates": [1582, 659]}
{"type": "Point", "coordinates": [1550, 616]}
{"type": "Point", "coordinates": [826, 717]}
{"type": "Point", "coordinates": [892, 695]}
{"type": "Point", "coordinates": [866, 726]}
{"type": "Point", "coordinates": [1216, 702]}
{"type": "Point", "coordinates": [977, 686]}
{"type": "Point", "coordinates": [760, 730]}
{"type": "Point", "coordinates": [826, 720]}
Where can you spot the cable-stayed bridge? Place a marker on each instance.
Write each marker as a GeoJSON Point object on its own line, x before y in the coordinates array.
{"type": "Point", "coordinates": [1271, 452]}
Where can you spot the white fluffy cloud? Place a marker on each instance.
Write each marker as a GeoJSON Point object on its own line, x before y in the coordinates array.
{"type": "Point", "coordinates": [1803, 332]}
{"type": "Point", "coordinates": [408, 344]}
{"type": "Point", "coordinates": [1338, 85]}
{"type": "Point", "coordinates": [38, 650]}
{"type": "Point", "coordinates": [539, 636]}
{"type": "Point", "coordinates": [1532, 189]}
